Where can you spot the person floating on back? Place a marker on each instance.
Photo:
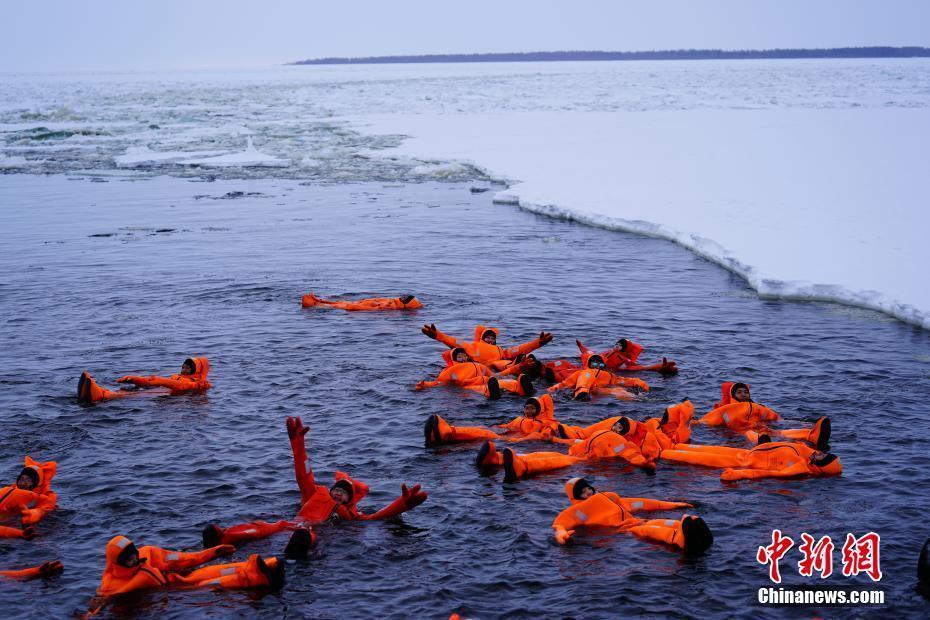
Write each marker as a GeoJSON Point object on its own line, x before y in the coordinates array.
{"type": "Point", "coordinates": [535, 423]}
{"type": "Point", "coordinates": [463, 372]}
{"type": "Point", "coordinates": [193, 378]}
{"type": "Point", "coordinates": [406, 302]}
{"type": "Point", "coordinates": [737, 411]}
{"type": "Point", "coordinates": [592, 508]}
{"type": "Point", "coordinates": [30, 498]}
{"type": "Point", "coordinates": [767, 460]}
{"type": "Point", "coordinates": [319, 503]}
{"type": "Point", "coordinates": [624, 355]}
{"type": "Point", "coordinates": [484, 348]}
{"type": "Point", "coordinates": [594, 379]}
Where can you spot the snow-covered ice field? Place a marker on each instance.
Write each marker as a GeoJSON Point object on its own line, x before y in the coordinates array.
{"type": "Point", "coordinates": [807, 177]}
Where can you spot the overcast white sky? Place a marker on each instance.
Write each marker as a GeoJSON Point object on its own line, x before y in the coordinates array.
{"type": "Point", "coordinates": [51, 35]}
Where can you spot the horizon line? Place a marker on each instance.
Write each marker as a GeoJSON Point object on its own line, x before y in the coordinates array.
{"type": "Point", "coordinates": [872, 51]}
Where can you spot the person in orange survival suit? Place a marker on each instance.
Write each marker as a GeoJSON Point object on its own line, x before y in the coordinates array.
{"type": "Point", "coordinates": [465, 373]}
{"type": "Point", "coordinates": [255, 572]}
{"type": "Point", "coordinates": [406, 302]}
{"type": "Point", "coordinates": [45, 570]}
{"type": "Point", "coordinates": [767, 460]}
{"type": "Point", "coordinates": [591, 508]}
{"type": "Point", "coordinates": [535, 423]}
{"type": "Point", "coordinates": [484, 348]}
{"type": "Point", "coordinates": [594, 379]}
{"type": "Point", "coordinates": [622, 356]}
{"type": "Point", "coordinates": [30, 498]}
{"type": "Point", "coordinates": [737, 411]}
{"type": "Point", "coordinates": [607, 444]}
{"type": "Point", "coordinates": [193, 378]}
{"type": "Point", "coordinates": [320, 504]}
{"type": "Point", "coordinates": [640, 434]}
{"type": "Point", "coordinates": [214, 535]}
{"type": "Point", "coordinates": [128, 568]}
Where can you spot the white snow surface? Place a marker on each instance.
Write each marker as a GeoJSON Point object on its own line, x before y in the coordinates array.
{"type": "Point", "coordinates": [823, 204]}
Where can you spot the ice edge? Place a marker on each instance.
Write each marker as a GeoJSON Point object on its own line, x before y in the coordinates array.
{"type": "Point", "coordinates": [765, 287]}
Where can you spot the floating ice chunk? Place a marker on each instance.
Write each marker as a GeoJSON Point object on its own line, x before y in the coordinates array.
{"type": "Point", "coordinates": [443, 170]}
{"type": "Point", "coordinates": [249, 157]}
{"type": "Point", "coordinates": [136, 155]}
{"type": "Point", "coordinates": [506, 198]}
{"type": "Point", "coordinates": [15, 161]}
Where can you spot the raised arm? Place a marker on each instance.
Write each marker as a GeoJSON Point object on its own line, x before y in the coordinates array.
{"type": "Point", "coordinates": [433, 332]}
{"type": "Point", "coordinates": [296, 431]}
{"type": "Point", "coordinates": [408, 500]}
{"type": "Point", "coordinates": [528, 347]}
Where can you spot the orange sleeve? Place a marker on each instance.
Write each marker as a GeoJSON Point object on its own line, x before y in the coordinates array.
{"type": "Point", "coordinates": [569, 381]}
{"type": "Point", "coordinates": [10, 532]}
{"type": "Point", "coordinates": [44, 505]}
{"type": "Point", "coordinates": [176, 385]}
{"type": "Point", "coordinates": [302, 471]}
{"type": "Point", "coordinates": [635, 504]}
{"type": "Point", "coordinates": [179, 561]}
{"type": "Point", "coordinates": [25, 573]}
{"type": "Point", "coordinates": [526, 347]}
{"type": "Point", "coordinates": [447, 340]}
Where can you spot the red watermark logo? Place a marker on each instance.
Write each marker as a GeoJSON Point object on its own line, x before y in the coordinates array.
{"type": "Point", "coordinates": [860, 555]}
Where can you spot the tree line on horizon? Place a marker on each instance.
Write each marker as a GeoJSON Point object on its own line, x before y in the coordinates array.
{"type": "Point", "coordinates": [683, 54]}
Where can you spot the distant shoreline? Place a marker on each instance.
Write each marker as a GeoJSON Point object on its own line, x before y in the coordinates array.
{"type": "Point", "coordinates": [708, 54]}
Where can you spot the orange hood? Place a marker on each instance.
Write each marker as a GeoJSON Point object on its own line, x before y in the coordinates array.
{"type": "Point", "coordinates": [586, 357]}
{"type": "Point", "coordinates": [632, 350]}
{"type": "Point", "coordinates": [359, 489]}
{"type": "Point", "coordinates": [46, 472]}
{"type": "Point", "coordinates": [726, 392]}
{"type": "Point", "coordinates": [546, 407]}
{"type": "Point", "coordinates": [570, 488]}
{"type": "Point", "coordinates": [413, 304]}
{"type": "Point", "coordinates": [481, 329]}
{"type": "Point", "coordinates": [114, 548]}
{"type": "Point", "coordinates": [448, 356]}
{"type": "Point", "coordinates": [201, 367]}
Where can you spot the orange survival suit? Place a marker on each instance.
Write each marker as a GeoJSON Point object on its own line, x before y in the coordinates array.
{"type": "Point", "coordinates": [739, 416]}
{"type": "Point", "coordinates": [768, 460]}
{"type": "Point", "coordinates": [473, 376]}
{"type": "Point", "coordinates": [46, 569]}
{"type": "Point", "coordinates": [591, 378]}
{"type": "Point", "coordinates": [318, 505]}
{"type": "Point", "coordinates": [255, 572]}
{"type": "Point", "coordinates": [31, 505]}
{"type": "Point", "coordinates": [540, 426]}
{"type": "Point", "coordinates": [154, 562]}
{"type": "Point", "coordinates": [486, 353]}
{"type": "Point", "coordinates": [602, 445]}
{"type": "Point", "coordinates": [90, 392]}
{"type": "Point", "coordinates": [608, 509]}
{"type": "Point", "coordinates": [408, 302]}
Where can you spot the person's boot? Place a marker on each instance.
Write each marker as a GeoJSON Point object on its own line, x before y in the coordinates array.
{"type": "Point", "coordinates": [698, 537]}
{"type": "Point", "coordinates": [514, 467]}
{"type": "Point", "coordinates": [488, 456]}
{"type": "Point", "coordinates": [494, 389]}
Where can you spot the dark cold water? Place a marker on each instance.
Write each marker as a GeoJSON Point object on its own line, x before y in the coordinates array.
{"type": "Point", "coordinates": [123, 277]}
